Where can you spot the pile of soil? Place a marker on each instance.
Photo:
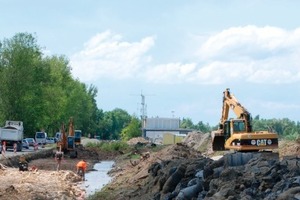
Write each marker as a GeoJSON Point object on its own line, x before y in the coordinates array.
{"type": "Point", "coordinates": [137, 140]}
{"type": "Point", "coordinates": [39, 184]}
{"type": "Point", "coordinates": [181, 172]}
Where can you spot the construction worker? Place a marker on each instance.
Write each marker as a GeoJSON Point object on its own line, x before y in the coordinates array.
{"type": "Point", "coordinates": [58, 157]}
{"type": "Point", "coordinates": [81, 168]}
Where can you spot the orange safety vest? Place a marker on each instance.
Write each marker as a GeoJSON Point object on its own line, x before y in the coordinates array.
{"type": "Point", "coordinates": [81, 164]}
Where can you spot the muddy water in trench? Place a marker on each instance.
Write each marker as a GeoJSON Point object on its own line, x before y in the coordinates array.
{"type": "Point", "coordinates": [97, 179]}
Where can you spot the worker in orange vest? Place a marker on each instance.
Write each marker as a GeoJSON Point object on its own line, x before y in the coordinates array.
{"type": "Point", "coordinates": [81, 168]}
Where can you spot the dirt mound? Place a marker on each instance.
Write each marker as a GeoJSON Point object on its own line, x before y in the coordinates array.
{"type": "Point", "coordinates": [181, 172]}
{"type": "Point", "coordinates": [288, 148]}
{"type": "Point", "coordinates": [262, 177]}
{"type": "Point", "coordinates": [16, 184]}
{"type": "Point", "coordinates": [42, 181]}
{"type": "Point", "coordinates": [137, 140]}
{"type": "Point", "coordinates": [144, 179]}
{"type": "Point", "coordinates": [199, 141]}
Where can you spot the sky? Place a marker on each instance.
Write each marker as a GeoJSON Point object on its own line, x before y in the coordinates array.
{"type": "Point", "coordinates": [181, 55]}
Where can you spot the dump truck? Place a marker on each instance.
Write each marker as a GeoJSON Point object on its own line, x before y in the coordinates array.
{"type": "Point", "coordinates": [237, 134]}
{"type": "Point", "coordinates": [12, 133]}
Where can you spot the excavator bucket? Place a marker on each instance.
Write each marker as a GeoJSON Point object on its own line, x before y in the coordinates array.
{"type": "Point", "coordinates": [218, 141]}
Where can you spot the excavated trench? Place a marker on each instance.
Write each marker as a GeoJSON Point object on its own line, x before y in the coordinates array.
{"type": "Point", "coordinates": [97, 178]}
{"type": "Point", "coordinates": [97, 172]}
{"type": "Point", "coordinates": [14, 160]}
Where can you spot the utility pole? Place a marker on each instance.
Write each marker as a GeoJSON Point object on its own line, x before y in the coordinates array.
{"type": "Point", "coordinates": [143, 110]}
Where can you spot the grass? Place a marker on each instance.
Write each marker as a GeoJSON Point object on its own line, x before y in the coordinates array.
{"type": "Point", "coordinates": [110, 146]}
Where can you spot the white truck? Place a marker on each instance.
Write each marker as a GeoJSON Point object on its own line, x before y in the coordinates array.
{"type": "Point", "coordinates": [12, 133]}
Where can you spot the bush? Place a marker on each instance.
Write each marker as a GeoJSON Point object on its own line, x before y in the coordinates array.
{"type": "Point", "coordinates": [110, 146]}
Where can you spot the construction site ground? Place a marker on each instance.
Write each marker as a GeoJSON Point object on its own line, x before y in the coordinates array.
{"type": "Point", "coordinates": [189, 171]}
{"type": "Point", "coordinates": [161, 172]}
{"type": "Point", "coordinates": [43, 181]}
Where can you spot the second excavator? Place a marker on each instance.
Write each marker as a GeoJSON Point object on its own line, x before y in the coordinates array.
{"type": "Point", "coordinates": [67, 143]}
{"type": "Point", "coordinates": [237, 134]}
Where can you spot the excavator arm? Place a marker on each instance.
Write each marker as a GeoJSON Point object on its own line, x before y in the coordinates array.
{"type": "Point", "coordinates": [230, 102]}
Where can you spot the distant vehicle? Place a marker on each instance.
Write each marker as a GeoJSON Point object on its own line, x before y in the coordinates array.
{"type": "Point", "coordinates": [97, 137]}
{"type": "Point", "coordinates": [58, 136]}
{"type": "Point", "coordinates": [50, 140]}
{"type": "Point", "coordinates": [40, 137]}
{"type": "Point", "coordinates": [25, 144]}
{"type": "Point", "coordinates": [12, 133]}
{"type": "Point", "coordinates": [31, 141]}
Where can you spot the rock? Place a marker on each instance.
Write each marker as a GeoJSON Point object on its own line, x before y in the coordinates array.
{"type": "Point", "coordinates": [190, 192]}
{"type": "Point", "coordinates": [290, 194]}
{"type": "Point", "coordinates": [174, 179]}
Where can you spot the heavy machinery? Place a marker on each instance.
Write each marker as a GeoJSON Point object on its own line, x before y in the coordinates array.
{"type": "Point", "coordinates": [67, 143]}
{"type": "Point", "coordinates": [77, 137]}
{"type": "Point", "coordinates": [237, 134]}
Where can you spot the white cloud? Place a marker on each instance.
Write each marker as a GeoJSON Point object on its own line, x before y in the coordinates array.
{"type": "Point", "coordinates": [253, 54]}
{"type": "Point", "coordinates": [106, 55]}
{"type": "Point", "coordinates": [239, 54]}
{"type": "Point", "coordinates": [170, 73]}
{"type": "Point", "coordinates": [250, 53]}
{"type": "Point", "coordinates": [247, 42]}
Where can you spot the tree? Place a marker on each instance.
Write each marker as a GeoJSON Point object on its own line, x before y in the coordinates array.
{"type": "Point", "coordinates": [186, 123]}
{"type": "Point", "coordinates": [133, 129]}
{"type": "Point", "coordinates": [113, 123]}
{"type": "Point", "coordinates": [204, 128]}
{"type": "Point", "coordinates": [22, 77]}
{"type": "Point", "coordinates": [40, 91]}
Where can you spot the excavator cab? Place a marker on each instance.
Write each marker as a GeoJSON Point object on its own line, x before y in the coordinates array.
{"type": "Point", "coordinates": [224, 132]}
{"type": "Point", "coordinates": [77, 137]}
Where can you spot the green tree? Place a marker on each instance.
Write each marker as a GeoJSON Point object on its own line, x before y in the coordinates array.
{"type": "Point", "coordinates": [204, 128]}
{"type": "Point", "coordinates": [113, 123]}
{"type": "Point", "coordinates": [187, 123]}
{"type": "Point", "coordinates": [40, 91]}
{"type": "Point", "coordinates": [133, 129]}
{"type": "Point", "coordinates": [23, 79]}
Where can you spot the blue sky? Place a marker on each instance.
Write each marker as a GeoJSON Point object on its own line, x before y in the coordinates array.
{"type": "Point", "coordinates": [180, 54]}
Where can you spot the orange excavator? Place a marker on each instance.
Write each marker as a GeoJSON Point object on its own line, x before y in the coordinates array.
{"type": "Point", "coordinates": [67, 143]}
{"type": "Point", "coordinates": [237, 134]}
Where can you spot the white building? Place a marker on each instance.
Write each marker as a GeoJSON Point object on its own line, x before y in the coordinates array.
{"type": "Point", "coordinates": [156, 128]}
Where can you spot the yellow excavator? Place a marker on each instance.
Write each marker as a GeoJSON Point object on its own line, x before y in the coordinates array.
{"type": "Point", "coordinates": [237, 134]}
